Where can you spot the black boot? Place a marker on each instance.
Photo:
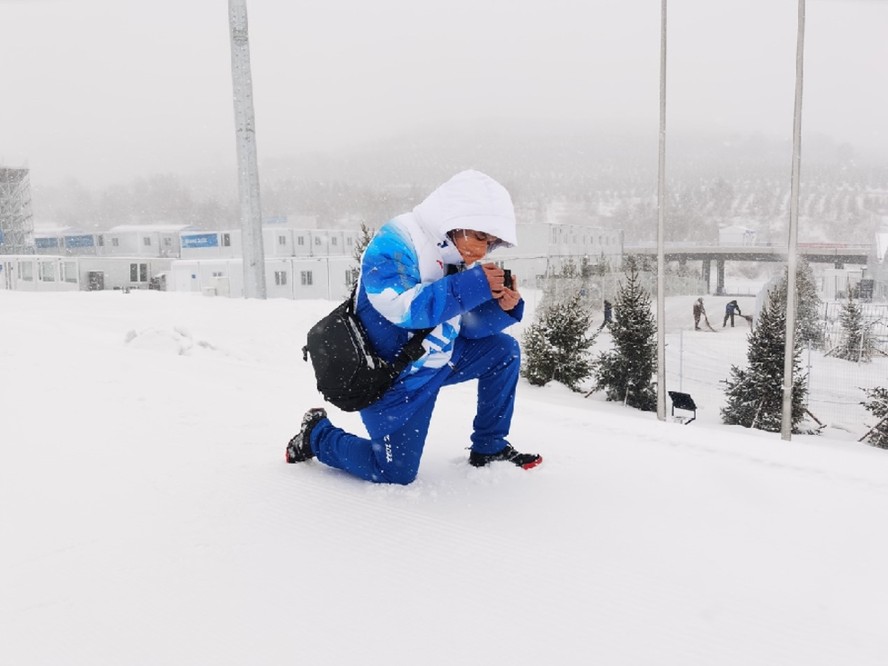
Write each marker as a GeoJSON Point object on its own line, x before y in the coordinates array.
{"type": "Point", "coordinates": [299, 448]}
{"type": "Point", "coordinates": [523, 460]}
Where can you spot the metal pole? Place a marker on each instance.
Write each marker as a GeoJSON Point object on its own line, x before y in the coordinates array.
{"type": "Point", "coordinates": [247, 163]}
{"type": "Point", "coordinates": [791, 256]}
{"type": "Point", "coordinates": [681, 346]}
{"type": "Point", "coordinates": [661, 201]}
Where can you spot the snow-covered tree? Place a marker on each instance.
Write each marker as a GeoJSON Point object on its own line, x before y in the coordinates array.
{"type": "Point", "coordinates": [877, 405]}
{"type": "Point", "coordinates": [808, 306]}
{"type": "Point", "coordinates": [857, 343]}
{"type": "Point", "coordinates": [625, 372]}
{"type": "Point", "coordinates": [755, 394]}
{"type": "Point", "coordinates": [557, 345]}
{"type": "Point", "coordinates": [601, 266]}
{"type": "Point", "coordinates": [363, 241]}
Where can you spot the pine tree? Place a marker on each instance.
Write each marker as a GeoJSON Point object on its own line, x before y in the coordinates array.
{"type": "Point", "coordinates": [808, 306]}
{"type": "Point", "coordinates": [601, 266]}
{"type": "Point", "coordinates": [877, 405]}
{"type": "Point", "coordinates": [857, 343]}
{"type": "Point", "coordinates": [625, 372]}
{"type": "Point", "coordinates": [364, 239]}
{"type": "Point", "coordinates": [755, 394]}
{"type": "Point", "coordinates": [557, 346]}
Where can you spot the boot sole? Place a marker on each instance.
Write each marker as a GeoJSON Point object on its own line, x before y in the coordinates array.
{"type": "Point", "coordinates": [532, 464]}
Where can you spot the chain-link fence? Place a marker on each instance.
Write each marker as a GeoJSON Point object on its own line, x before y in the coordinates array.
{"type": "Point", "coordinates": [835, 385]}
{"type": "Point", "coordinates": [874, 327]}
{"type": "Point", "coordinates": [699, 362]}
{"type": "Point", "coordinates": [597, 288]}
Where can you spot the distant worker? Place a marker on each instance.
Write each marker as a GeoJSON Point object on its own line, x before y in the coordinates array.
{"type": "Point", "coordinates": [699, 311]}
{"type": "Point", "coordinates": [730, 310]}
{"type": "Point", "coordinates": [608, 314]}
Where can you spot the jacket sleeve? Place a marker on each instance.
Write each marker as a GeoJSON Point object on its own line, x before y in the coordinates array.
{"type": "Point", "coordinates": [489, 318]}
{"type": "Point", "coordinates": [391, 277]}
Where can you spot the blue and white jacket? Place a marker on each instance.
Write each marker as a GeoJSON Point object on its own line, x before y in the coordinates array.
{"type": "Point", "coordinates": [412, 275]}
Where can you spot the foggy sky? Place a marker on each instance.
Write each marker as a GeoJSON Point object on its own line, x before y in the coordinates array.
{"type": "Point", "coordinates": [107, 90]}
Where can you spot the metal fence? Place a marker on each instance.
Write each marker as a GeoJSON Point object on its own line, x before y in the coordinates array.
{"type": "Point", "coordinates": [875, 322]}
{"type": "Point", "coordinates": [835, 385]}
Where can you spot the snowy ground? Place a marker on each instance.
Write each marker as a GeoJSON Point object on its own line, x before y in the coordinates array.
{"type": "Point", "coordinates": [147, 516]}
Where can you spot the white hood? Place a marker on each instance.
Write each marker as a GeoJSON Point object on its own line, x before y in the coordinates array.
{"type": "Point", "coordinates": [470, 200]}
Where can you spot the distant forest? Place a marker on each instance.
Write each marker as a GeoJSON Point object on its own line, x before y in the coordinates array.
{"type": "Point", "coordinates": [601, 181]}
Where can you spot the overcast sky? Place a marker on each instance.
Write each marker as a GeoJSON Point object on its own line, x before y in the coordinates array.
{"type": "Point", "coordinates": [106, 90]}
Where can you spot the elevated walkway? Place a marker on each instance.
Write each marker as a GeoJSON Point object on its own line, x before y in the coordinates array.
{"type": "Point", "coordinates": [837, 254]}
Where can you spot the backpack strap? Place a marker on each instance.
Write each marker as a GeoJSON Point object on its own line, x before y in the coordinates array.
{"type": "Point", "coordinates": [413, 350]}
{"type": "Point", "coordinates": [410, 352]}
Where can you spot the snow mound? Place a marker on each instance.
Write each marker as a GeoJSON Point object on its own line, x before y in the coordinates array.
{"type": "Point", "coordinates": [175, 340]}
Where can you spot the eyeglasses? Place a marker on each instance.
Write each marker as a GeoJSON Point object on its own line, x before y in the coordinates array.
{"type": "Point", "coordinates": [480, 236]}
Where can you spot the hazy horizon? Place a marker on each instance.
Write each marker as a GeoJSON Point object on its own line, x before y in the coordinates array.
{"type": "Point", "coordinates": [105, 91]}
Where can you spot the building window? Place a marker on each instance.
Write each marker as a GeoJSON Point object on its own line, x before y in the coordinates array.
{"type": "Point", "coordinates": [138, 272]}
{"type": "Point", "coordinates": [282, 240]}
{"type": "Point", "coordinates": [218, 274]}
{"type": "Point", "coordinates": [334, 241]}
{"type": "Point", "coordinates": [280, 278]}
{"type": "Point", "coordinates": [317, 240]}
{"type": "Point", "coordinates": [351, 276]}
{"type": "Point", "coordinates": [100, 239]}
{"type": "Point", "coordinates": [44, 243]}
{"type": "Point", "coordinates": [26, 271]}
{"type": "Point", "coordinates": [115, 242]}
{"type": "Point", "coordinates": [300, 240]}
{"type": "Point", "coordinates": [69, 271]}
{"type": "Point", "coordinates": [167, 242]}
{"type": "Point", "coordinates": [305, 277]}
{"type": "Point", "coordinates": [146, 241]}
{"type": "Point", "coordinates": [47, 271]}
{"type": "Point", "coordinates": [226, 240]}
{"type": "Point", "coordinates": [349, 241]}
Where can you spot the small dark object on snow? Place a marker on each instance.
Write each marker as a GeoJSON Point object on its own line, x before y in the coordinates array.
{"type": "Point", "coordinates": [683, 401]}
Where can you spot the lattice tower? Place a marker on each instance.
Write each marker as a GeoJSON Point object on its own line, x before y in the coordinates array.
{"type": "Point", "coordinates": [16, 221]}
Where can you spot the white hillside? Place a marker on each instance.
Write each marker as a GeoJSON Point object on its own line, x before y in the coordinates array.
{"type": "Point", "coordinates": [147, 516]}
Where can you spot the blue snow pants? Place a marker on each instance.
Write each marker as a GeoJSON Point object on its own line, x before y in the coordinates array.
{"type": "Point", "coordinates": [399, 422]}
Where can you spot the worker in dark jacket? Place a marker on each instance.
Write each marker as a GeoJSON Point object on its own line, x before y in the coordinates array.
{"type": "Point", "coordinates": [730, 310]}
{"type": "Point", "coordinates": [608, 314]}
{"type": "Point", "coordinates": [699, 311]}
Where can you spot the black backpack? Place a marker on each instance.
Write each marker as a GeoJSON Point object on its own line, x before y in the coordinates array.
{"type": "Point", "coordinates": [349, 372]}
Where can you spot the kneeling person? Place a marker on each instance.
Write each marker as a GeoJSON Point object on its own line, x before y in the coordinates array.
{"type": "Point", "coordinates": [423, 270]}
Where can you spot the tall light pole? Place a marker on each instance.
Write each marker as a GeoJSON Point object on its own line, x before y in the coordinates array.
{"type": "Point", "coordinates": [792, 249]}
{"type": "Point", "coordinates": [661, 220]}
{"type": "Point", "coordinates": [247, 163]}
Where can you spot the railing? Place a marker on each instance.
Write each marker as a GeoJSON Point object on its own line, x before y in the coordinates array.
{"type": "Point", "coordinates": [778, 248]}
